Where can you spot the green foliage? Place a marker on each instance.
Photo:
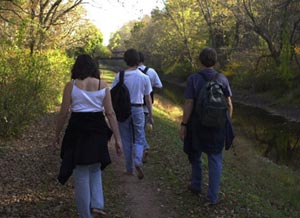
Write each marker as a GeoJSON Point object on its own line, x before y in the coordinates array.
{"type": "Point", "coordinates": [88, 40]}
{"type": "Point", "coordinates": [286, 73]}
{"type": "Point", "coordinates": [94, 42]}
{"type": "Point", "coordinates": [29, 86]}
{"type": "Point", "coordinates": [179, 70]}
{"type": "Point", "coordinates": [254, 40]}
{"type": "Point", "coordinates": [119, 38]}
{"type": "Point", "coordinates": [37, 25]}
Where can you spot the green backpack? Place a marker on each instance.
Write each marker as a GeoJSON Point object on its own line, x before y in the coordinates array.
{"type": "Point", "coordinates": [211, 105]}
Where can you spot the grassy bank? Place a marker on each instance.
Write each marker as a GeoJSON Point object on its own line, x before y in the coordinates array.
{"type": "Point", "coordinates": [251, 186]}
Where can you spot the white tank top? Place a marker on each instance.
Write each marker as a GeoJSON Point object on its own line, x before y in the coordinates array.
{"type": "Point", "coordinates": [87, 101]}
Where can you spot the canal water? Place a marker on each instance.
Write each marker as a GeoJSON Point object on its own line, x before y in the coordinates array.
{"type": "Point", "coordinates": [274, 137]}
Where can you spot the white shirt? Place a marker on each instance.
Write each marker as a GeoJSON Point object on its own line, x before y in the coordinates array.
{"type": "Point", "coordinates": [154, 78]}
{"type": "Point", "coordinates": [87, 101]}
{"type": "Point", "coordinates": [137, 83]}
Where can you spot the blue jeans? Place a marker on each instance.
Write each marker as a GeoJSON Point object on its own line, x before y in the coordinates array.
{"type": "Point", "coordinates": [146, 145]}
{"type": "Point", "coordinates": [88, 189]}
{"type": "Point", "coordinates": [133, 138]}
{"type": "Point", "coordinates": [214, 174]}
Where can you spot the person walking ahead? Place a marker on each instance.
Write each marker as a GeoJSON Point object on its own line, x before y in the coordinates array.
{"type": "Point", "coordinates": [199, 138]}
{"type": "Point", "coordinates": [156, 84]}
{"type": "Point", "coordinates": [132, 129]}
{"type": "Point", "coordinates": [84, 150]}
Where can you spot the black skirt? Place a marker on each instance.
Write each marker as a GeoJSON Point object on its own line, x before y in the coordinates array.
{"type": "Point", "coordinates": [84, 143]}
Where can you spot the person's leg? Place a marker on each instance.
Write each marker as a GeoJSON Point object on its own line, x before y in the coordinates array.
{"type": "Point", "coordinates": [82, 191]}
{"type": "Point", "coordinates": [146, 144]}
{"type": "Point", "coordinates": [196, 180]}
{"type": "Point", "coordinates": [138, 120]}
{"type": "Point", "coordinates": [97, 199]}
{"type": "Point", "coordinates": [127, 139]}
{"type": "Point", "coordinates": [214, 174]}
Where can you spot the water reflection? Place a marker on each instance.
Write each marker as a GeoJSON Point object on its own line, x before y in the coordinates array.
{"type": "Point", "coordinates": [173, 92]}
{"type": "Point", "coordinates": [277, 138]}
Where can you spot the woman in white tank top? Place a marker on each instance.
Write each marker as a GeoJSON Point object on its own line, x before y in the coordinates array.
{"type": "Point", "coordinates": [84, 149]}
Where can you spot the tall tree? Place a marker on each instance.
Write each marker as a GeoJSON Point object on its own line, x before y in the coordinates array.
{"type": "Point", "coordinates": [221, 25]}
{"type": "Point", "coordinates": [277, 22]}
{"type": "Point", "coordinates": [37, 20]}
{"type": "Point", "coordinates": [187, 23]}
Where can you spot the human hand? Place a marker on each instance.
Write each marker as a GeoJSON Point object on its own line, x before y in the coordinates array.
{"type": "Point", "coordinates": [182, 132]}
{"type": "Point", "coordinates": [150, 119]}
{"type": "Point", "coordinates": [118, 145]}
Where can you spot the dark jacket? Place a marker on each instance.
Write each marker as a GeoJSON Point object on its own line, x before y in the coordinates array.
{"type": "Point", "coordinates": [211, 140]}
{"type": "Point", "coordinates": [201, 138]}
{"type": "Point", "coordinates": [229, 133]}
{"type": "Point", "coordinates": [84, 143]}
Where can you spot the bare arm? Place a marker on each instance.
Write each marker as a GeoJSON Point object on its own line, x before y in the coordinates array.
{"type": "Point", "coordinates": [230, 106]}
{"type": "Point", "coordinates": [187, 110]}
{"type": "Point", "coordinates": [111, 116]}
{"type": "Point", "coordinates": [63, 113]}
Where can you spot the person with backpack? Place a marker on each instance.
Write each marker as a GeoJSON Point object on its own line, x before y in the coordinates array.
{"type": "Point", "coordinates": [84, 149]}
{"type": "Point", "coordinates": [132, 127]}
{"type": "Point", "coordinates": [156, 84]}
{"type": "Point", "coordinates": [206, 112]}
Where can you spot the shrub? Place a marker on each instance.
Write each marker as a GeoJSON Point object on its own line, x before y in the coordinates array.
{"type": "Point", "coordinates": [29, 86]}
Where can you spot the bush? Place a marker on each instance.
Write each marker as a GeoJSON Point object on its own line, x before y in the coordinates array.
{"type": "Point", "coordinates": [29, 86]}
{"type": "Point", "coordinates": [179, 70]}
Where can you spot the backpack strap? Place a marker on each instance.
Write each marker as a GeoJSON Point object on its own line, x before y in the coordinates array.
{"type": "Point", "coordinates": [121, 77]}
{"type": "Point", "coordinates": [145, 70]}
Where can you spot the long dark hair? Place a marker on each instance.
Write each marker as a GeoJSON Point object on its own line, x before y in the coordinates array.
{"type": "Point", "coordinates": [85, 66]}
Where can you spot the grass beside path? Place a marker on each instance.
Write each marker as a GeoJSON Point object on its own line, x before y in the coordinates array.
{"type": "Point", "coordinates": [252, 186]}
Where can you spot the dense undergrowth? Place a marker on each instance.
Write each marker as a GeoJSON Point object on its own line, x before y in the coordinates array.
{"type": "Point", "coordinates": [30, 85]}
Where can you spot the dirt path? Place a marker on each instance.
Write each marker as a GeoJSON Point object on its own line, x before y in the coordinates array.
{"type": "Point", "coordinates": [28, 185]}
{"type": "Point", "coordinates": [140, 195]}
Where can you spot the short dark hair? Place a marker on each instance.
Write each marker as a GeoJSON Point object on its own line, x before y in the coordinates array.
{"type": "Point", "coordinates": [131, 57]}
{"type": "Point", "coordinates": [85, 66]}
{"type": "Point", "coordinates": [208, 57]}
{"type": "Point", "coordinates": [142, 58]}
